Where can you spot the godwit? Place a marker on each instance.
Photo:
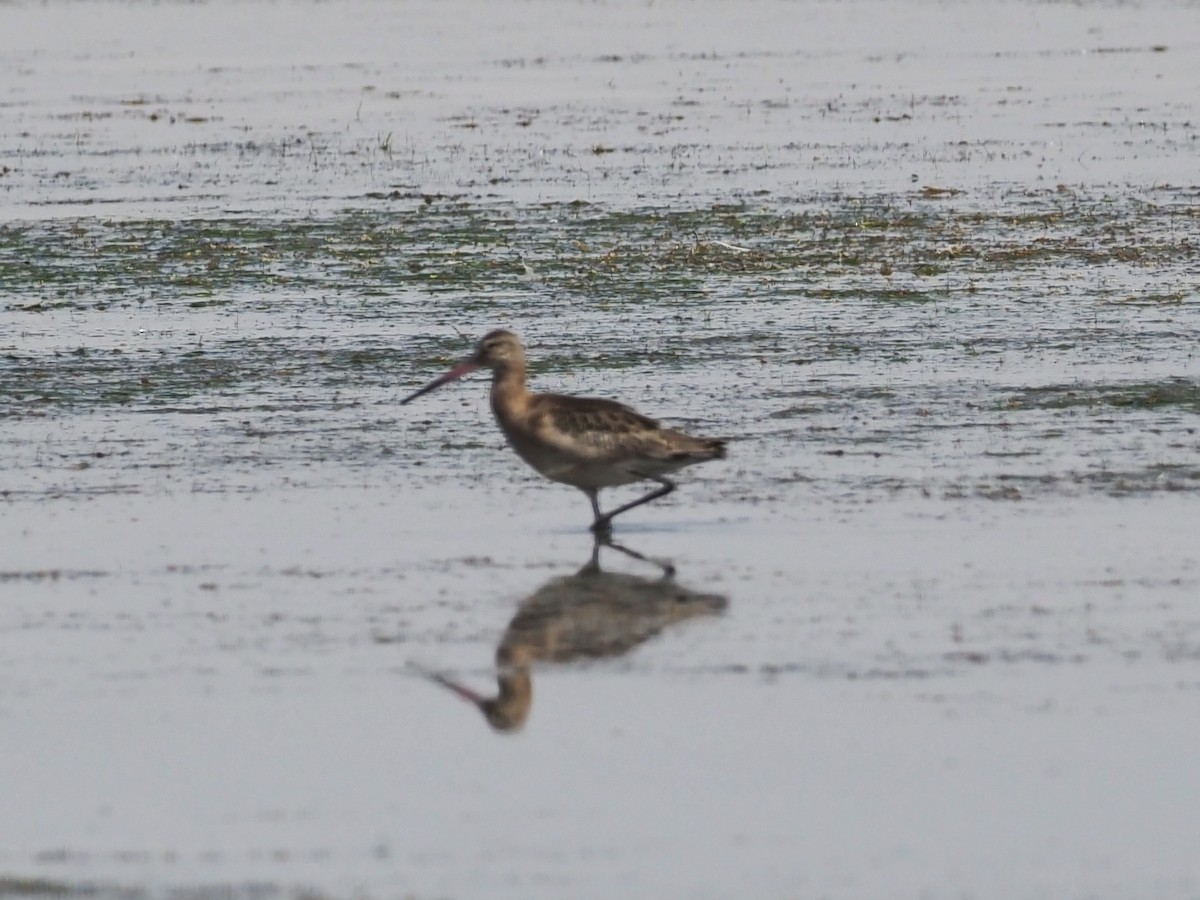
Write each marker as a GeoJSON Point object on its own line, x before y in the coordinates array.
{"type": "Point", "coordinates": [585, 442]}
{"type": "Point", "coordinates": [592, 614]}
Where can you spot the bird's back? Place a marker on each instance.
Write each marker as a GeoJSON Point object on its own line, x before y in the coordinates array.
{"type": "Point", "coordinates": [593, 442]}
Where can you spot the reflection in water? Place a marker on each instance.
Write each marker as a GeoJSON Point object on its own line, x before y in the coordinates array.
{"type": "Point", "coordinates": [589, 615]}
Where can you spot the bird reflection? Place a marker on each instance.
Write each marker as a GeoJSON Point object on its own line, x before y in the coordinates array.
{"type": "Point", "coordinates": [592, 614]}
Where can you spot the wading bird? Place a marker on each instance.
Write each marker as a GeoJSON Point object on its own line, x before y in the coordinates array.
{"type": "Point", "coordinates": [585, 442]}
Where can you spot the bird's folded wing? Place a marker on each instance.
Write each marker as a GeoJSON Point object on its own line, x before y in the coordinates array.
{"type": "Point", "coordinates": [603, 427]}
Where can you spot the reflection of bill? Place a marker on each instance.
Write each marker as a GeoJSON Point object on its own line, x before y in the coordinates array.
{"type": "Point", "coordinates": [585, 442]}
{"type": "Point", "coordinates": [592, 614]}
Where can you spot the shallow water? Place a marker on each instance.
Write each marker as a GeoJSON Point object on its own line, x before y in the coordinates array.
{"type": "Point", "coordinates": [930, 266]}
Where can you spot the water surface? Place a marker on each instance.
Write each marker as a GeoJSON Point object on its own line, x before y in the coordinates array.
{"type": "Point", "coordinates": [930, 266]}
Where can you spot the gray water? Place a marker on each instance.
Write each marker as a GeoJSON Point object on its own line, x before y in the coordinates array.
{"type": "Point", "coordinates": [930, 267]}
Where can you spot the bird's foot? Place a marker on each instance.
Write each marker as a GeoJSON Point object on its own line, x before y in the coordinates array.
{"type": "Point", "coordinates": [602, 528]}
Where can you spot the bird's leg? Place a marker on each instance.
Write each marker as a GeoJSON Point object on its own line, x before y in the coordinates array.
{"type": "Point", "coordinates": [603, 523]}
{"type": "Point", "coordinates": [600, 523]}
{"type": "Point", "coordinates": [668, 567]}
{"type": "Point", "coordinates": [592, 566]}
{"type": "Point", "coordinates": [593, 495]}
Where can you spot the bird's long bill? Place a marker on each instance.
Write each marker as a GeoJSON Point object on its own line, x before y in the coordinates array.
{"type": "Point", "coordinates": [463, 368]}
{"type": "Point", "coordinates": [465, 692]}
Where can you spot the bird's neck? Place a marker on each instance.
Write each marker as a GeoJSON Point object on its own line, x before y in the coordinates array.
{"type": "Point", "coordinates": [509, 391]}
{"type": "Point", "coordinates": [509, 709]}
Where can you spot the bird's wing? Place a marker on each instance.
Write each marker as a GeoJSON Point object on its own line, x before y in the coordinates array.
{"type": "Point", "coordinates": [604, 427]}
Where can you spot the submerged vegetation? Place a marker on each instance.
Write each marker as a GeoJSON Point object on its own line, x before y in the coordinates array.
{"type": "Point", "coordinates": [870, 328]}
{"type": "Point", "coordinates": [891, 249]}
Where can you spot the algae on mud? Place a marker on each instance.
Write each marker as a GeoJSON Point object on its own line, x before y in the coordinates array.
{"type": "Point", "coordinates": [334, 316]}
{"type": "Point", "coordinates": [597, 254]}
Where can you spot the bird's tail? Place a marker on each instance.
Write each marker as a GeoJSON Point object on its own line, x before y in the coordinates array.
{"type": "Point", "coordinates": [701, 449]}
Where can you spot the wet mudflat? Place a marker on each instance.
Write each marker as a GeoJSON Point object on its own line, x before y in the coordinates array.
{"type": "Point", "coordinates": [934, 628]}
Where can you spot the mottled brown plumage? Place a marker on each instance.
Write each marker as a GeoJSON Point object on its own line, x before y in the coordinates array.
{"type": "Point", "coordinates": [586, 442]}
